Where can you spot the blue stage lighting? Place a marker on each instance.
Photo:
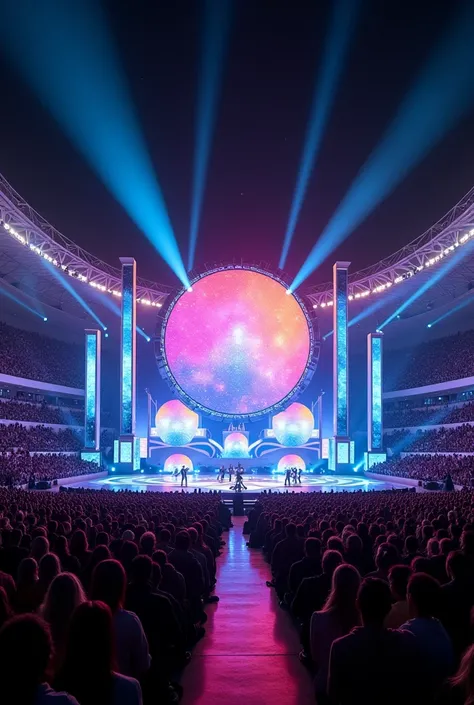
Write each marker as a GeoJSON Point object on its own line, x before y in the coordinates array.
{"type": "Point", "coordinates": [442, 269]}
{"type": "Point", "coordinates": [21, 303]}
{"type": "Point", "coordinates": [106, 335]}
{"type": "Point", "coordinates": [459, 306]}
{"type": "Point", "coordinates": [45, 319]}
{"type": "Point", "coordinates": [86, 92]}
{"type": "Point", "coordinates": [63, 280]}
{"type": "Point", "coordinates": [335, 48]}
{"type": "Point", "coordinates": [428, 326]}
{"type": "Point", "coordinates": [217, 16]}
{"type": "Point", "coordinates": [440, 96]}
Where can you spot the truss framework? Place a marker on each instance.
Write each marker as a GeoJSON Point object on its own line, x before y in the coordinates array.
{"type": "Point", "coordinates": [410, 259]}
{"type": "Point", "coordinates": [38, 233]}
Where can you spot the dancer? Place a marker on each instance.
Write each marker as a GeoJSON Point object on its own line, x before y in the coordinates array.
{"type": "Point", "coordinates": [222, 472]}
{"type": "Point", "coordinates": [300, 470]}
{"type": "Point", "coordinates": [231, 472]}
{"type": "Point", "coordinates": [239, 483]}
{"type": "Point", "coordinates": [288, 477]}
{"type": "Point", "coordinates": [184, 476]}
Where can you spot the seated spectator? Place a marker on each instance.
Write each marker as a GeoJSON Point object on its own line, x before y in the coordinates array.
{"type": "Point", "coordinates": [285, 553]}
{"type": "Point", "coordinates": [374, 664]}
{"type": "Point", "coordinates": [88, 669]}
{"type": "Point", "coordinates": [6, 611]}
{"type": "Point", "coordinates": [49, 567]}
{"type": "Point", "coordinates": [131, 646]}
{"type": "Point", "coordinates": [338, 616]}
{"type": "Point", "coordinates": [28, 591]}
{"type": "Point", "coordinates": [457, 600]}
{"type": "Point", "coordinates": [172, 581]}
{"type": "Point", "coordinates": [398, 578]}
{"type": "Point", "coordinates": [308, 567]}
{"type": "Point", "coordinates": [185, 563]}
{"type": "Point", "coordinates": [64, 594]}
{"type": "Point", "coordinates": [432, 641]}
{"type": "Point", "coordinates": [459, 690]}
{"type": "Point", "coordinates": [25, 652]}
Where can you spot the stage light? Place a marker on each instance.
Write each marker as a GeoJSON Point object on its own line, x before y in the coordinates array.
{"type": "Point", "coordinates": [217, 16]}
{"type": "Point", "coordinates": [444, 268]}
{"type": "Point", "coordinates": [112, 469]}
{"type": "Point", "coordinates": [289, 292]}
{"type": "Point", "coordinates": [336, 44]}
{"type": "Point", "coordinates": [63, 280]}
{"type": "Point", "coordinates": [45, 319]}
{"type": "Point", "coordinates": [437, 100]}
{"type": "Point", "coordinates": [141, 472]}
{"type": "Point", "coordinates": [189, 289]}
{"type": "Point", "coordinates": [459, 306]}
{"type": "Point", "coordinates": [148, 339]}
{"type": "Point", "coordinates": [106, 335]}
{"type": "Point", "coordinates": [429, 325]}
{"type": "Point", "coordinates": [87, 94]}
{"type": "Point", "coordinates": [105, 327]}
{"type": "Point", "coordinates": [21, 303]}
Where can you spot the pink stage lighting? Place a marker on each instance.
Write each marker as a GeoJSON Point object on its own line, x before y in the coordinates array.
{"type": "Point", "coordinates": [176, 424]}
{"type": "Point", "coordinates": [291, 461]}
{"type": "Point", "coordinates": [294, 426]}
{"type": "Point", "coordinates": [237, 344]}
{"type": "Point", "coordinates": [236, 445]}
{"type": "Point", "coordinates": [176, 461]}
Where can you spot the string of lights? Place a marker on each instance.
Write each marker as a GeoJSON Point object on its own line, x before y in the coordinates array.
{"type": "Point", "coordinates": [71, 272]}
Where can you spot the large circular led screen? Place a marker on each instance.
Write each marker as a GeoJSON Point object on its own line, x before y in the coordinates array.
{"type": "Point", "coordinates": [236, 344]}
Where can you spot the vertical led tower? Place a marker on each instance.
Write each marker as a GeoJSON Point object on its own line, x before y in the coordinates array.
{"type": "Point", "coordinates": [341, 450]}
{"type": "Point", "coordinates": [375, 452]}
{"type": "Point", "coordinates": [128, 363]}
{"type": "Point", "coordinates": [92, 396]}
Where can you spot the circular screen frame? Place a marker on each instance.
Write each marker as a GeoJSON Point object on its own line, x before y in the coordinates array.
{"type": "Point", "coordinates": [180, 393]}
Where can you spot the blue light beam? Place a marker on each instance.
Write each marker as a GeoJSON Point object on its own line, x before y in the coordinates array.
{"type": "Point", "coordinates": [68, 57]}
{"type": "Point", "coordinates": [63, 280]}
{"type": "Point", "coordinates": [441, 271]}
{"type": "Point", "coordinates": [336, 44]}
{"type": "Point", "coordinates": [437, 100]}
{"type": "Point", "coordinates": [462, 304]}
{"type": "Point", "coordinates": [217, 21]}
{"type": "Point", "coordinates": [21, 303]}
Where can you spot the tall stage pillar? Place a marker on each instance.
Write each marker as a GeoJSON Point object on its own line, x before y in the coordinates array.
{"type": "Point", "coordinates": [341, 449]}
{"type": "Point", "coordinates": [129, 444]}
{"type": "Point", "coordinates": [91, 450]}
{"type": "Point", "coordinates": [375, 453]}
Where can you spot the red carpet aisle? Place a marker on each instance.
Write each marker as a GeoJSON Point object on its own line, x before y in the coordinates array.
{"type": "Point", "coordinates": [249, 655]}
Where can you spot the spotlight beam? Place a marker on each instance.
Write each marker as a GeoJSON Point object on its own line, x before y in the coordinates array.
{"type": "Point", "coordinates": [67, 55]}
{"type": "Point", "coordinates": [440, 96]}
{"type": "Point", "coordinates": [462, 304]}
{"type": "Point", "coordinates": [63, 280]}
{"type": "Point", "coordinates": [335, 49]}
{"type": "Point", "coordinates": [217, 16]}
{"type": "Point", "coordinates": [21, 303]}
{"type": "Point", "coordinates": [443, 269]}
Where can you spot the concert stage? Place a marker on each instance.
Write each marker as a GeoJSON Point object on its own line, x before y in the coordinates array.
{"type": "Point", "coordinates": [254, 484]}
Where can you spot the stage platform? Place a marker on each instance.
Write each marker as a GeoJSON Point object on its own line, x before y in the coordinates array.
{"type": "Point", "coordinates": [253, 483]}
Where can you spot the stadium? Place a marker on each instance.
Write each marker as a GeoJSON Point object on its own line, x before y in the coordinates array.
{"type": "Point", "coordinates": [250, 471]}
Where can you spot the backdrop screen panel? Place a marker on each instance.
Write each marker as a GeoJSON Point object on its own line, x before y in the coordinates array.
{"type": "Point", "coordinates": [237, 344]}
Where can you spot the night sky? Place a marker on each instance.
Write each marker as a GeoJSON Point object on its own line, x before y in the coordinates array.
{"type": "Point", "coordinates": [268, 81]}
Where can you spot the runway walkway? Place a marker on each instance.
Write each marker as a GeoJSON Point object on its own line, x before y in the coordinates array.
{"type": "Point", "coordinates": [249, 655]}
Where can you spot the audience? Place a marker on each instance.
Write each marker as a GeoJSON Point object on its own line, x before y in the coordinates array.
{"type": "Point", "coordinates": [40, 413]}
{"type": "Point", "coordinates": [427, 415]}
{"type": "Point", "coordinates": [432, 362]}
{"type": "Point", "coordinates": [459, 439]}
{"type": "Point", "coordinates": [21, 468]}
{"type": "Point", "coordinates": [430, 467]}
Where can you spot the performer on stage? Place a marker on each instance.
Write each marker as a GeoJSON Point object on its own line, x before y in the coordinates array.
{"type": "Point", "coordinates": [239, 483]}
{"type": "Point", "coordinates": [288, 477]}
{"type": "Point", "coordinates": [184, 476]}
{"type": "Point", "coordinates": [299, 475]}
{"type": "Point", "coordinates": [222, 472]}
{"type": "Point", "coordinates": [231, 472]}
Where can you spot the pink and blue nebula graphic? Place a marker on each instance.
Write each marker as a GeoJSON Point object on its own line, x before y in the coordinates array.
{"type": "Point", "coordinates": [237, 343]}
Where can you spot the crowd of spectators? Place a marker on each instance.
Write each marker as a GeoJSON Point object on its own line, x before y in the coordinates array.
{"type": "Point", "coordinates": [13, 410]}
{"type": "Point", "coordinates": [430, 467]}
{"type": "Point", "coordinates": [22, 468]}
{"type": "Point", "coordinates": [39, 357]}
{"type": "Point", "coordinates": [435, 361]}
{"type": "Point", "coordinates": [381, 587]}
{"type": "Point", "coordinates": [39, 438]}
{"type": "Point", "coordinates": [103, 594]}
{"type": "Point", "coordinates": [442, 440]}
{"type": "Point", "coordinates": [427, 416]}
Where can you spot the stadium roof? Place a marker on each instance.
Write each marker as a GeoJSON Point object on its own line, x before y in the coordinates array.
{"type": "Point", "coordinates": [30, 248]}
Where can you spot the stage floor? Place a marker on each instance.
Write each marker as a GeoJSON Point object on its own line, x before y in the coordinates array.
{"type": "Point", "coordinates": [253, 483]}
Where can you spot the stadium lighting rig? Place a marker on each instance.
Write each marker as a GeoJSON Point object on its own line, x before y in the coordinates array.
{"type": "Point", "coordinates": [427, 264]}
{"type": "Point", "coordinates": [71, 272]}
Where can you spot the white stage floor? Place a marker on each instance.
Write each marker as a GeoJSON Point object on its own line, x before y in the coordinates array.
{"type": "Point", "coordinates": [254, 483]}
